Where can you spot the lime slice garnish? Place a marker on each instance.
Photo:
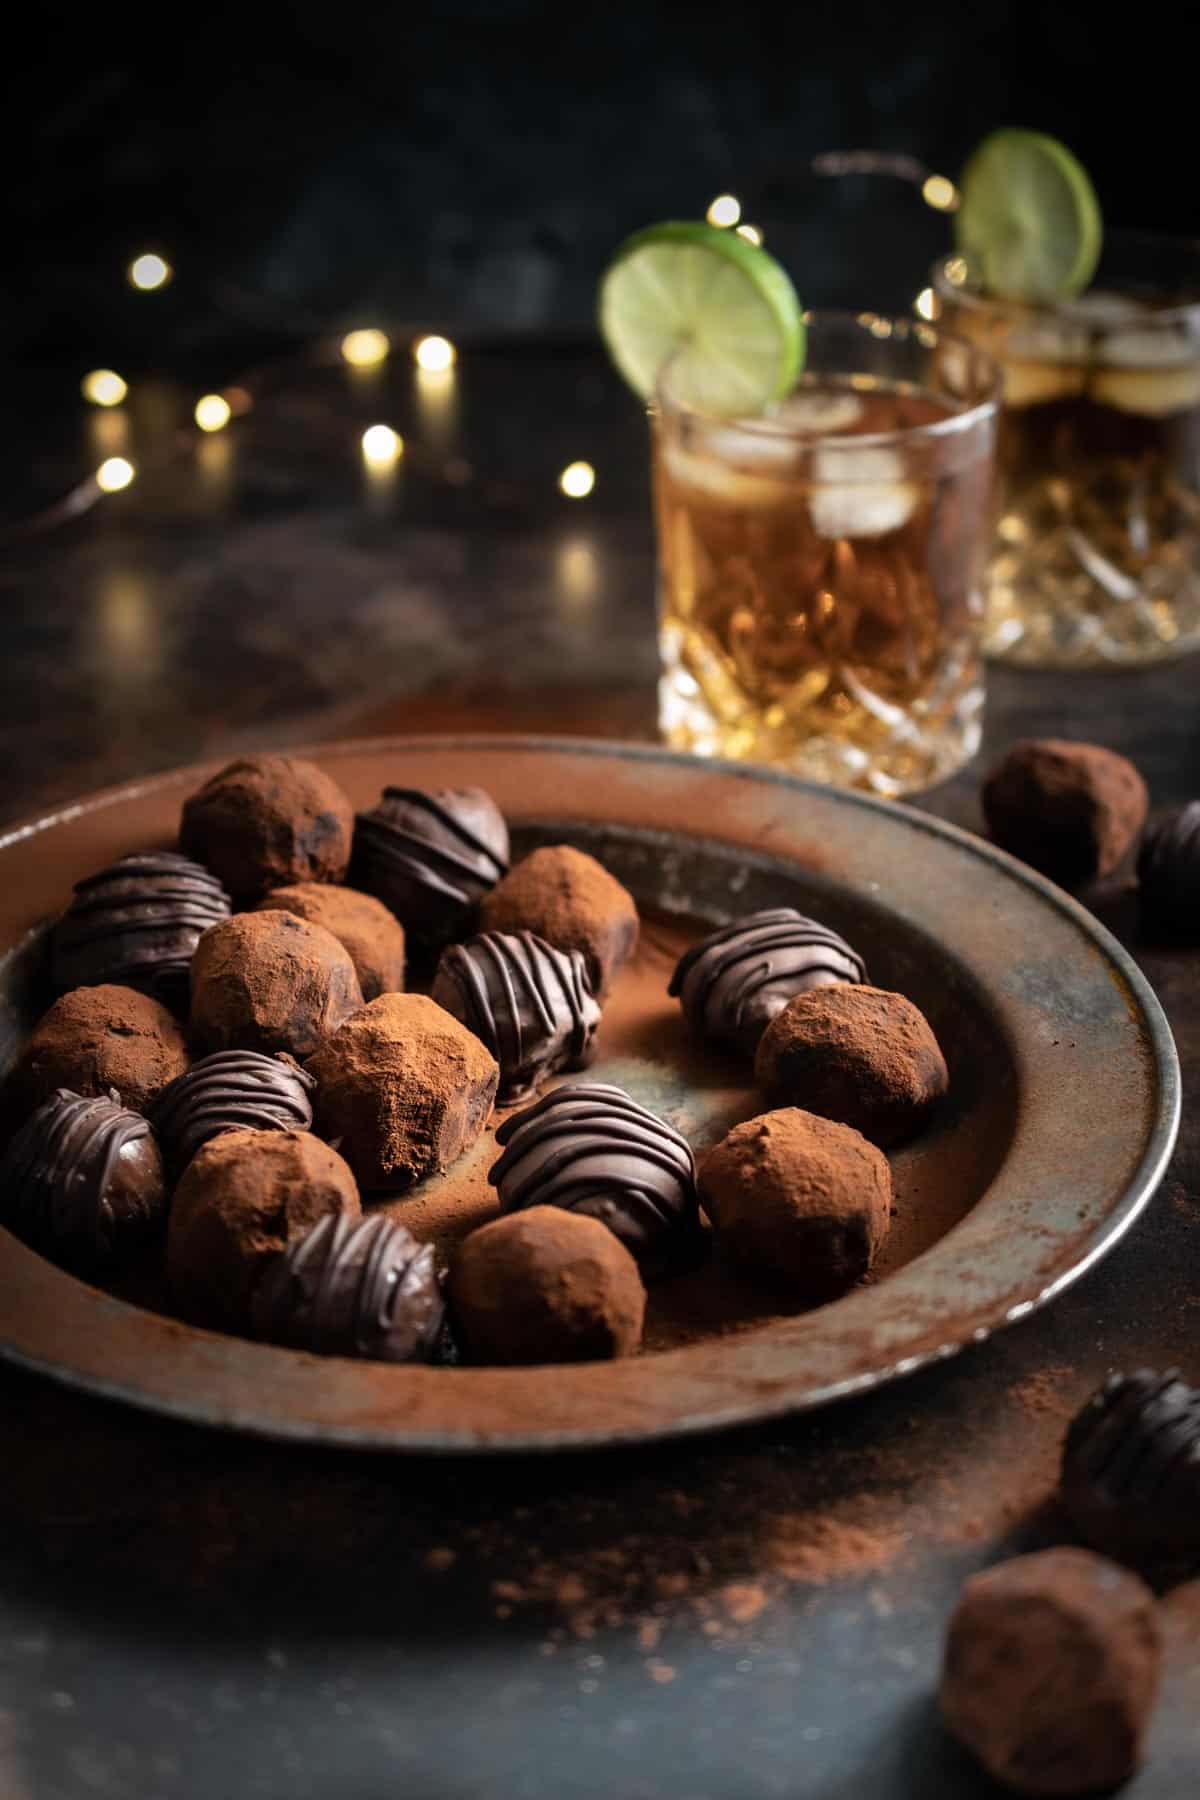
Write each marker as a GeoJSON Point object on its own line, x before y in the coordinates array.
{"type": "Point", "coordinates": [1028, 215]}
{"type": "Point", "coordinates": [718, 308]}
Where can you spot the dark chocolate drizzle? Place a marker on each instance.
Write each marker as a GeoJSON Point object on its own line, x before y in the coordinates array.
{"type": "Point", "coordinates": [353, 1287]}
{"type": "Point", "coordinates": [1169, 872]}
{"type": "Point", "coordinates": [231, 1090]}
{"type": "Point", "coordinates": [82, 1179]}
{"type": "Point", "coordinates": [430, 857]}
{"type": "Point", "coordinates": [590, 1148]}
{"type": "Point", "coordinates": [1131, 1466]}
{"type": "Point", "coordinates": [530, 1004]}
{"type": "Point", "coordinates": [736, 980]}
{"type": "Point", "coordinates": [137, 923]}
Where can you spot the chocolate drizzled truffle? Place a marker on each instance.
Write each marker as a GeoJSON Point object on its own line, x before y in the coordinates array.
{"type": "Point", "coordinates": [1071, 810]}
{"type": "Point", "coordinates": [530, 1004]}
{"type": "Point", "coordinates": [572, 901]}
{"type": "Point", "coordinates": [1051, 1669]}
{"type": "Point", "coordinates": [94, 1039]}
{"type": "Point", "coordinates": [592, 1150]}
{"type": "Point", "coordinates": [245, 1197]}
{"type": "Point", "coordinates": [799, 1201]}
{"type": "Point", "coordinates": [352, 1287]}
{"type": "Point", "coordinates": [1131, 1468]}
{"type": "Point", "coordinates": [734, 982]}
{"type": "Point", "coordinates": [136, 924]}
{"type": "Point", "coordinates": [265, 821]}
{"type": "Point", "coordinates": [431, 857]}
{"type": "Point", "coordinates": [82, 1181]}
{"type": "Point", "coordinates": [1169, 873]}
{"type": "Point", "coordinates": [545, 1286]}
{"type": "Point", "coordinates": [270, 981]}
{"type": "Point", "coordinates": [232, 1090]}
{"type": "Point", "coordinates": [372, 936]}
{"type": "Point", "coordinates": [860, 1055]}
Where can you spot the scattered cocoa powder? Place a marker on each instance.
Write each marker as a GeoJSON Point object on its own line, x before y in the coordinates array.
{"type": "Point", "coordinates": [568, 898]}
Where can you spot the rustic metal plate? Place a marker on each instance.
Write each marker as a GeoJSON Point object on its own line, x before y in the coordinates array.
{"type": "Point", "coordinates": [1062, 1113]}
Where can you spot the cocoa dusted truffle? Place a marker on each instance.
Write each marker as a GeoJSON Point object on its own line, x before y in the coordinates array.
{"type": "Point", "coordinates": [1169, 873]}
{"type": "Point", "coordinates": [372, 936]}
{"type": "Point", "coordinates": [98, 1038]}
{"type": "Point", "coordinates": [1131, 1468]}
{"type": "Point", "coordinates": [137, 924]}
{"type": "Point", "coordinates": [860, 1055]}
{"type": "Point", "coordinates": [798, 1201]}
{"type": "Point", "coordinates": [572, 901]}
{"type": "Point", "coordinates": [545, 1286]}
{"type": "Point", "coordinates": [530, 1004]}
{"type": "Point", "coordinates": [1070, 810]}
{"type": "Point", "coordinates": [592, 1150]}
{"type": "Point", "coordinates": [82, 1181]}
{"type": "Point", "coordinates": [732, 983]}
{"type": "Point", "coordinates": [232, 1090]}
{"type": "Point", "coordinates": [1051, 1670]}
{"type": "Point", "coordinates": [431, 857]}
{"type": "Point", "coordinates": [352, 1287]}
{"type": "Point", "coordinates": [266, 821]}
{"type": "Point", "coordinates": [270, 981]}
{"type": "Point", "coordinates": [244, 1197]}
{"type": "Point", "coordinates": [404, 1087]}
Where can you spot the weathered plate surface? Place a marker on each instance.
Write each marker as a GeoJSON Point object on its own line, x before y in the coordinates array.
{"type": "Point", "coordinates": [1062, 1115]}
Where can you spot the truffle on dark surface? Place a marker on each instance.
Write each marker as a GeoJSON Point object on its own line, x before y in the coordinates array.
{"type": "Point", "coordinates": [244, 1197]}
{"type": "Point", "coordinates": [570, 900]}
{"type": "Point", "coordinates": [82, 1181]}
{"type": "Point", "coordinates": [530, 1004]}
{"type": "Point", "coordinates": [1169, 873]}
{"type": "Point", "coordinates": [353, 1287]}
{"type": "Point", "coordinates": [404, 1087]}
{"type": "Point", "coordinates": [1070, 810]}
{"type": "Point", "coordinates": [545, 1286]}
{"type": "Point", "coordinates": [373, 936]}
{"type": "Point", "coordinates": [1131, 1468]}
{"type": "Point", "coordinates": [593, 1151]}
{"type": "Point", "coordinates": [860, 1055]}
{"type": "Point", "coordinates": [266, 821]}
{"type": "Point", "coordinates": [431, 857]}
{"type": "Point", "coordinates": [800, 1202]}
{"type": "Point", "coordinates": [733, 983]}
{"type": "Point", "coordinates": [1051, 1669]}
{"type": "Point", "coordinates": [94, 1039]}
{"type": "Point", "coordinates": [270, 981]}
{"type": "Point", "coordinates": [137, 924]}
{"type": "Point", "coordinates": [231, 1090]}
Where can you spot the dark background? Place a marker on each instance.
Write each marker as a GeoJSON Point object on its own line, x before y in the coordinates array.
{"type": "Point", "coordinates": [471, 165]}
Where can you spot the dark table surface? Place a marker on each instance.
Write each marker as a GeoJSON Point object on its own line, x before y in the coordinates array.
{"type": "Point", "coordinates": [188, 1614]}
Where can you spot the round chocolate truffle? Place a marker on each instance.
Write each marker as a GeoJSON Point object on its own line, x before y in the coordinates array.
{"type": "Point", "coordinates": [82, 1181]}
{"type": "Point", "coordinates": [352, 1287]}
{"type": "Point", "coordinates": [245, 1197]}
{"type": "Point", "coordinates": [137, 924]}
{"type": "Point", "coordinates": [372, 936]}
{"type": "Point", "coordinates": [1051, 1669]}
{"type": "Point", "coordinates": [1131, 1468]}
{"type": "Point", "coordinates": [1169, 873]}
{"type": "Point", "coordinates": [592, 1150]}
{"type": "Point", "coordinates": [265, 821]}
{"type": "Point", "coordinates": [95, 1039]}
{"type": "Point", "coordinates": [404, 1087]}
{"type": "Point", "coordinates": [571, 901]}
{"type": "Point", "coordinates": [733, 983]}
{"type": "Point", "coordinates": [232, 1090]}
{"type": "Point", "coordinates": [1070, 810]}
{"type": "Point", "coordinates": [798, 1201]}
{"type": "Point", "coordinates": [270, 981]}
{"type": "Point", "coordinates": [545, 1286]}
{"type": "Point", "coordinates": [431, 857]}
{"type": "Point", "coordinates": [860, 1055]}
{"type": "Point", "coordinates": [530, 1004]}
